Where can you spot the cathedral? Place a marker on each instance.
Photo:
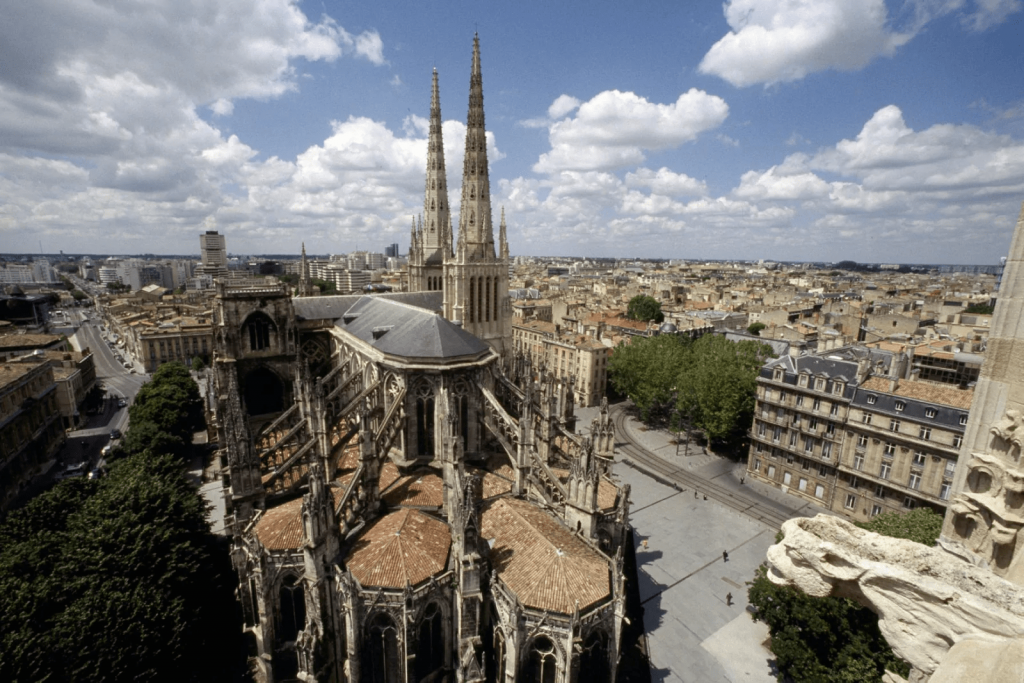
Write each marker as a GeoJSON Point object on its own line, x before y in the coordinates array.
{"type": "Point", "coordinates": [408, 500]}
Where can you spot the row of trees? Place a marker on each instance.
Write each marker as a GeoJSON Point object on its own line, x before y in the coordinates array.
{"type": "Point", "coordinates": [709, 382]}
{"type": "Point", "coordinates": [835, 639]}
{"type": "Point", "coordinates": [166, 412]}
{"type": "Point", "coordinates": [120, 579]}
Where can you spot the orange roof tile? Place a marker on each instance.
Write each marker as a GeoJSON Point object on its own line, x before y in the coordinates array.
{"type": "Point", "coordinates": [407, 546]}
{"type": "Point", "coordinates": [942, 394]}
{"type": "Point", "coordinates": [541, 561]}
{"type": "Point", "coordinates": [280, 528]}
{"type": "Point", "coordinates": [422, 489]}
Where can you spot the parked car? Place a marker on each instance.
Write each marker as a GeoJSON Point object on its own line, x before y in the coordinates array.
{"type": "Point", "coordinates": [115, 433]}
{"type": "Point", "coordinates": [122, 403]}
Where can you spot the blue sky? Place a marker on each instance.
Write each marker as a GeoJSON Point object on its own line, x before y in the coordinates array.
{"type": "Point", "coordinates": [775, 129]}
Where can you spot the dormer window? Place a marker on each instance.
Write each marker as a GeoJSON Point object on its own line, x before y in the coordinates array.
{"type": "Point", "coordinates": [930, 412]}
{"type": "Point", "coordinates": [778, 374]}
{"type": "Point", "coordinates": [819, 384]}
{"type": "Point", "coordinates": [803, 380]}
{"type": "Point", "coordinates": [900, 405]}
{"type": "Point", "coordinates": [963, 420]}
{"type": "Point", "coordinates": [871, 399]}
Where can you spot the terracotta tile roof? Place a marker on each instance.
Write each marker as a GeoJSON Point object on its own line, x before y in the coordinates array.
{"type": "Point", "coordinates": [388, 474]}
{"type": "Point", "coordinates": [495, 483]}
{"type": "Point", "coordinates": [421, 489]}
{"type": "Point", "coordinates": [280, 528]}
{"type": "Point", "coordinates": [540, 560]}
{"type": "Point", "coordinates": [407, 546]}
{"type": "Point", "coordinates": [942, 394]}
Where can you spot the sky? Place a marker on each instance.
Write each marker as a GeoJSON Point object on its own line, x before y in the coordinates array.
{"type": "Point", "coordinates": [802, 130]}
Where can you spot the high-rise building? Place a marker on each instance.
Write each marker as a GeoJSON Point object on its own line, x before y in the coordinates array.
{"type": "Point", "coordinates": [213, 248]}
{"type": "Point", "coordinates": [391, 250]}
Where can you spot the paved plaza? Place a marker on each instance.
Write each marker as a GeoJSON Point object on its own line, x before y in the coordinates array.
{"type": "Point", "coordinates": [693, 633]}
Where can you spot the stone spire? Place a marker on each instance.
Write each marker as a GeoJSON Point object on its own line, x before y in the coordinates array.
{"type": "Point", "coordinates": [503, 237]}
{"type": "Point", "coordinates": [475, 227]}
{"type": "Point", "coordinates": [305, 284]}
{"type": "Point", "coordinates": [414, 245]}
{"type": "Point", "coordinates": [435, 200]}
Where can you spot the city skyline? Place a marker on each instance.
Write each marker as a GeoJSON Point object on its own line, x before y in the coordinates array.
{"type": "Point", "coordinates": [791, 131]}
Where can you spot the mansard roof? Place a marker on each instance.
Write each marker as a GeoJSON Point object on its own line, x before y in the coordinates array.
{"type": "Point", "coordinates": [399, 329]}
{"type": "Point", "coordinates": [541, 561]}
{"type": "Point", "coordinates": [404, 547]}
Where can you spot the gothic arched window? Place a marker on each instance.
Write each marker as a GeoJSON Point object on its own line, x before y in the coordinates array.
{"type": "Point", "coordinates": [382, 662]}
{"type": "Point", "coordinates": [430, 643]}
{"type": "Point", "coordinates": [292, 610]}
{"type": "Point", "coordinates": [258, 328]}
{"type": "Point", "coordinates": [542, 661]}
{"type": "Point", "coordinates": [594, 665]}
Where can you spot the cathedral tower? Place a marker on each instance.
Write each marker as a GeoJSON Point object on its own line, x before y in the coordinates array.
{"type": "Point", "coordinates": [475, 277]}
{"type": "Point", "coordinates": [432, 240]}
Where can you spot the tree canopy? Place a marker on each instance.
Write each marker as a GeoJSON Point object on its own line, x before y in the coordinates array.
{"type": "Point", "coordinates": [645, 308]}
{"type": "Point", "coordinates": [835, 639]}
{"type": "Point", "coordinates": [711, 380]}
{"type": "Point", "coordinates": [167, 411]}
{"type": "Point", "coordinates": [755, 328]}
{"type": "Point", "coordinates": [118, 579]}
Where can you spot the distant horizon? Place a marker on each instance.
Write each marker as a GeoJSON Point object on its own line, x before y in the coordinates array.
{"type": "Point", "coordinates": [513, 256]}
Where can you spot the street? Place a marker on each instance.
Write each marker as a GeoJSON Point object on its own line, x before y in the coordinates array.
{"type": "Point", "coordinates": [86, 444]}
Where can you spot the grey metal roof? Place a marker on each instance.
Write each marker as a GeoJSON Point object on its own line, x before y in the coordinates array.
{"type": "Point", "coordinates": [401, 329]}
{"type": "Point", "coordinates": [332, 307]}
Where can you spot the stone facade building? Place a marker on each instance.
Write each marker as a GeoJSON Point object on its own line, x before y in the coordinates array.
{"type": "Point", "coordinates": [843, 431]}
{"type": "Point", "coordinates": [566, 356]}
{"type": "Point", "coordinates": [404, 503]}
{"type": "Point", "coordinates": [30, 424]}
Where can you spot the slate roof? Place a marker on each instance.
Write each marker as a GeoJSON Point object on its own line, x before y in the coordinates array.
{"type": "Point", "coordinates": [405, 330]}
{"type": "Point", "coordinates": [541, 561]}
{"type": "Point", "coordinates": [332, 307]}
{"type": "Point", "coordinates": [407, 546]}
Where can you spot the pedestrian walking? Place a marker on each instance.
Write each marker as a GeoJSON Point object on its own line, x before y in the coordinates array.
{"type": "Point", "coordinates": [741, 481]}
{"type": "Point", "coordinates": [728, 599]}
{"type": "Point", "coordinates": [725, 556]}
{"type": "Point", "coordinates": [695, 494]}
{"type": "Point", "coordinates": [705, 496]}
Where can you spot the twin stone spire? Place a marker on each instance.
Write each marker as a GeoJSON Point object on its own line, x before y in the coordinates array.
{"type": "Point", "coordinates": [431, 240]}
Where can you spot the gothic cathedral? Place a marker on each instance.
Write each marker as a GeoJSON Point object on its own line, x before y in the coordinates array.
{"type": "Point", "coordinates": [407, 500]}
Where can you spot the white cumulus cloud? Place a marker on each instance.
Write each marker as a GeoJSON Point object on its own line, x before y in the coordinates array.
{"type": "Point", "coordinates": [614, 129]}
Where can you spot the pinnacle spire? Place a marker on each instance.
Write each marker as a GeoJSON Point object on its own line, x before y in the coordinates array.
{"type": "Point", "coordinates": [475, 227]}
{"type": "Point", "coordinates": [503, 237]}
{"type": "Point", "coordinates": [305, 285]}
{"type": "Point", "coordinates": [435, 196]}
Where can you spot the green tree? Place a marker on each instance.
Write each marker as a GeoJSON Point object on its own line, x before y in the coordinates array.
{"type": "Point", "coordinates": [326, 286]}
{"type": "Point", "coordinates": [166, 412]}
{"type": "Point", "coordinates": [78, 295]}
{"type": "Point", "coordinates": [716, 384]}
{"type": "Point", "coordinates": [645, 308]}
{"type": "Point", "coordinates": [980, 309]}
{"type": "Point", "coordinates": [821, 640]}
{"type": "Point", "coordinates": [921, 525]}
{"type": "Point", "coordinates": [198, 365]}
{"type": "Point", "coordinates": [645, 370]}
{"type": "Point", "coordinates": [116, 580]}
{"type": "Point", "coordinates": [755, 328]}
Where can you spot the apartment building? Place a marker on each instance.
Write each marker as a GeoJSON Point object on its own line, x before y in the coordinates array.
{"type": "Point", "coordinates": [903, 438]}
{"type": "Point", "coordinates": [798, 430]}
{"type": "Point", "coordinates": [841, 430]}
{"type": "Point", "coordinates": [565, 354]}
{"type": "Point", "coordinates": [180, 339]}
{"type": "Point", "coordinates": [30, 424]}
